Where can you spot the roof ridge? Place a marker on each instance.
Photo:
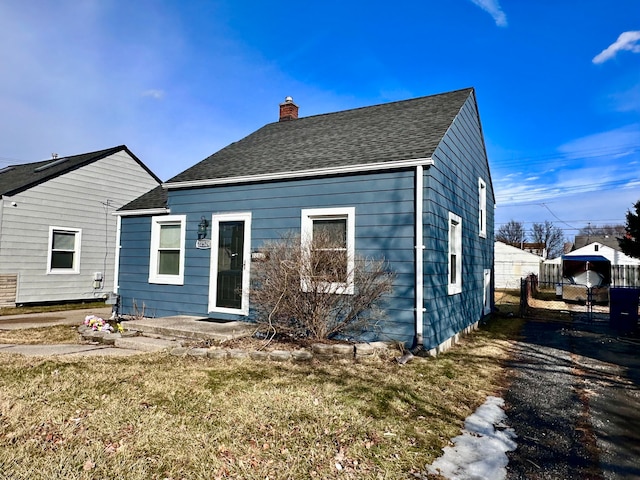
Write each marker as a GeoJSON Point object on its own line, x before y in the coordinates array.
{"type": "Point", "coordinates": [362, 137]}
{"type": "Point", "coordinates": [48, 160]}
{"type": "Point", "coordinates": [376, 105]}
{"type": "Point", "coordinates": [26, 175]}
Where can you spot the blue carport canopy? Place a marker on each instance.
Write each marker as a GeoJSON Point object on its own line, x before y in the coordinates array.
{"type": "Point", "coordinates": [573, 265]}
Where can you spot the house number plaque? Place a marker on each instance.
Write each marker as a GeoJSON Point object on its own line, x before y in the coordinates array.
{"type": "Point", "coordinates": [203, 243]}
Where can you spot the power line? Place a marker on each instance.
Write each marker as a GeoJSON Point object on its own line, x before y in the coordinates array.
{"type": "Point", "coordinates": [595, 223]}
{"type": "Point", "coordinates": [555, 216]}
{"type": "Point", "coordinates": [568, 231]}
{"type": "Point", "coordinates": [563, 160]}
{"type": "Point", "coordinates": [557, 192]}
{"type": "Point", "coordinates": [575, 155]}
{"type": "Point", "coordinates": [569, 223]}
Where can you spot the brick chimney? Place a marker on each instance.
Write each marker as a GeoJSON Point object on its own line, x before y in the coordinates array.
{"type": "Point", "coordinates": [288, 110]}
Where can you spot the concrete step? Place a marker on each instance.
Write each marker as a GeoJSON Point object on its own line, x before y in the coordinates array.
{"type": "Point", "coordinates": [191, 328]}
{"type": "Point", "coordinates": [147, 344]}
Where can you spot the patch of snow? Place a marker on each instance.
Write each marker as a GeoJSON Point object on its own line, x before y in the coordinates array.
{"type": "Point", "coordinates": [480, 452]}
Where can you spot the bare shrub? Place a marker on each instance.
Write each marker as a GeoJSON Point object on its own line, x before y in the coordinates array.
{"type": "Point", "coordinates": [138, 312]}
{"type": "Point", "coordinates": [316, 290]}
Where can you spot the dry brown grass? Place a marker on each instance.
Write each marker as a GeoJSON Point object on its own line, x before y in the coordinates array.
{"type": "Point", "coordinates": [155, 416]}
{"type": "Point", "coordinates": [34, 336]}
{"type": "Point", "coordinates": [51, 308]}
{"type": "Point", "coordinates": [545, 305]}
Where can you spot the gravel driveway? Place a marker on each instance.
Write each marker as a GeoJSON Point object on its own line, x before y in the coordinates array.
{"type": "Point", "coordinates": [574, 402]}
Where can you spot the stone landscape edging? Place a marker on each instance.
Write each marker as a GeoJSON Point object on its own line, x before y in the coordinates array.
{"type": "Point", "coordinates": [318, 351]}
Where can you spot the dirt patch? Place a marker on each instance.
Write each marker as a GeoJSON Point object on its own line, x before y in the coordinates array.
{"type": "Point", "coordinates": [254, 343]}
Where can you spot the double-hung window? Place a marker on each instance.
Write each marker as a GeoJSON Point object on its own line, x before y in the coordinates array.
{"type": "Point", "coordinates": [328, 244]}
{"type": "Point", "coordinates": [455, 254]}
{"type": "Point", "coordinates": [482, 208]}
{"type": "Point", "coordinates": [166, 264]}
{"type": "Point", "coordinates": [64, 250]}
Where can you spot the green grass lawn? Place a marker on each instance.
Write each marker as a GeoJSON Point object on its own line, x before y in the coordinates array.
{"type": "Point", "coordinates": [155, 416]}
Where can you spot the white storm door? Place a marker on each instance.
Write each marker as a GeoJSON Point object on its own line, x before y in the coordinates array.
{"type": "Point", "coordinates": [487, 292]}
{"type": "Point", "coordinates": [230, 261]}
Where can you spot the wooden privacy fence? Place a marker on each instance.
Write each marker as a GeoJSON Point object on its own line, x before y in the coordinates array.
{"type": "Point", "coordinates": [621, 275]}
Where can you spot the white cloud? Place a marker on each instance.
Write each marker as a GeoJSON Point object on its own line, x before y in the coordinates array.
{"type": "Point", "coordinates": [627, 101]}
{"type": "Point", "coordinates": [154, 93]}
{"type": "Point", "coordinates": [629, 41]}
{"type": "Point", "coordinates": [600, 164]}
{"type": "Point", "coordinates": [618, 142]}
{"type": "Point", "coordinates": [492, 7]}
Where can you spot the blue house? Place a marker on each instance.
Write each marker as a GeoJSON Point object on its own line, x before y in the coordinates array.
{"type": "Point", "coordinates": [408, 181]}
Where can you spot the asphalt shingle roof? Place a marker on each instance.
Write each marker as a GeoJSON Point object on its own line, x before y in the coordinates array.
{"type": "Point", "coordinates": [584, 240]}
{"type": "Point", "coordinates": [154, 198]}
{"type": "Point", "coordinates": [18, 178]}
{"type": "Point", "coordinates": [390, 132]}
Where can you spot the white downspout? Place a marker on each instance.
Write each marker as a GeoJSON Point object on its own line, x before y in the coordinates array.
{"type": "Point", "coordinates": [419, 246]}
{"type": "Point", "coordinates": [116, 266]}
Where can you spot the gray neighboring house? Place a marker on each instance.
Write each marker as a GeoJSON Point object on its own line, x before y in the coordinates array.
{"type": "Point", "coordinates": [407, 181]}
{"type": "Point", "coordinates": [581, 241]}
{"type": "Point", "coordinates": [57, 228]}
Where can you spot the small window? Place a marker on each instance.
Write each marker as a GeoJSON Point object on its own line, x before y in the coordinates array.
{"type": "Point", "coordinates": [596, 247]}
{"type": "Point", "coordinates": [328, 238]}
{"type": "Point", "coordinates": [455, 254]}
{"type": "Point", "coordinates": [64, 250]}
{"type": "Point", "coordinates": [166, 264]}
{"type": "Point", "coordinates": [482, 210]}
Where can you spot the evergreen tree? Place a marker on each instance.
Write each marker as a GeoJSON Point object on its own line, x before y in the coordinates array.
{"type": "Point", "coordinates": [630, 242]}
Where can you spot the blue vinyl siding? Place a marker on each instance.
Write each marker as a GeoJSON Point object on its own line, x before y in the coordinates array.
{"type": "Point", "coordinates": [384, 206]}
{"type": "Point", "coordinates": [451, 185]}
{"type": "Point", "coordinates": [384, 227]}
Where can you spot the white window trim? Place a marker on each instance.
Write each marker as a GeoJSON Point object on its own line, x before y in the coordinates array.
{"type": "Point", "coordinates": [455, 246]}
{"type": "Point", "coordinates": [482, 207]}
{"type": "Point", "coordinates": [306, 237]}
{"type": "Point", "coordinates": [156, 223]}
{"type": "Point", "coordinates": [246, 267]}
{"type": "Point", "coordinates": [76, 249]}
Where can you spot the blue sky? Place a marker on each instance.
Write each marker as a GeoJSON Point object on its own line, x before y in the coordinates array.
{"type": "Point", "coordinates": [557, 81]}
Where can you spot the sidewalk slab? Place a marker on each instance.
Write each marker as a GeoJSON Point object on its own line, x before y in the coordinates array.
{"type": "Point", "coordinates": [146, 344]}
{"type": "Point", "coordinates": [64, 349]}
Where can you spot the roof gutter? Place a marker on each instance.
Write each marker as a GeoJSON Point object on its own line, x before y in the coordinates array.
{"type": "Point", "coordinates": [148, 211]}
{"type": "Point", "coordinates": [302, 173]}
